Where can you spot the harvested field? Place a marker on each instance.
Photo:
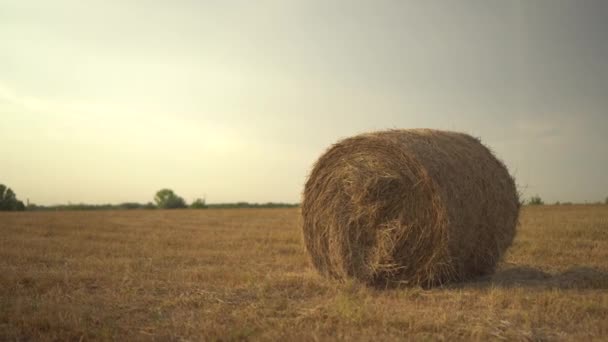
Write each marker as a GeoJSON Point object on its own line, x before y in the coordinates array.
{"type": "Point", "coordinates": [244, 274]}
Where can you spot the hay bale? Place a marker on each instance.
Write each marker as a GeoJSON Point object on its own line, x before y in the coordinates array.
{"type": "Point", "coordinates": [422, 207]}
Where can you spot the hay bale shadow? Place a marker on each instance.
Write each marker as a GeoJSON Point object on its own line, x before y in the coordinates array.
{"type": "Point", "coordinates": [578, 277]}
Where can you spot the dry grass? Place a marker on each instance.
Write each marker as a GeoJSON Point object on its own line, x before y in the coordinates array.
{"type": "Point", "coordinates": [243, 274]}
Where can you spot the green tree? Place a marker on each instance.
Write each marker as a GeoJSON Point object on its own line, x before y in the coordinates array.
{"type": "Point", "coordinates": [167, 199]}
{"type": "Point", "coordinates": [536, 200]}
{"type": "Point", "coordinates": [198, 204]}
{"type": "Point", "coordinates": [606, 200]}
{"type": "Point", "coordinates": [9, 201]}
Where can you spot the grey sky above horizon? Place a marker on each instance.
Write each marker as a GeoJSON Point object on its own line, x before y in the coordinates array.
{"type": "Point", "coordinates": [109, 101]}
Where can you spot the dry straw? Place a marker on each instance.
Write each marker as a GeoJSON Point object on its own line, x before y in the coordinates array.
{"type": "Point", "coordinates": [421, 207]}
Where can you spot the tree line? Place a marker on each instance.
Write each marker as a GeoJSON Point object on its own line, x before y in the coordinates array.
{"type": "Point", "coordinates": [168, 199]}
{"type": "Point", "coordinates": [163, 199]}
{"type": "Point", "coordinates": [537, 200]}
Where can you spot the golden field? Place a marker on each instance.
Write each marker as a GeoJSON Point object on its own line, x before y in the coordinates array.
{"type": "Point", "coordinates": [243, 274]}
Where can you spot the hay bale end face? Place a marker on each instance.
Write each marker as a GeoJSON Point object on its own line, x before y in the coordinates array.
{"type": "Point", "coordinates": [422, 207]}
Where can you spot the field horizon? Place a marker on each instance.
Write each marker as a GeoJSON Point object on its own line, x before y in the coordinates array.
{"type": "Point", "coordinates": [239, 274]}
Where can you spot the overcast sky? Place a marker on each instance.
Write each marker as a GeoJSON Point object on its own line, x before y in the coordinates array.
{"type": "Point", "coordinates": [109, 101]}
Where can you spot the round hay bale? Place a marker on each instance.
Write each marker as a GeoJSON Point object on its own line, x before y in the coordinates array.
{"type": "Point", "coordinates": [422, 207]}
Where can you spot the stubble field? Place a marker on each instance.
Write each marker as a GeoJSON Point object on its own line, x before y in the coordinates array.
{"type": "Point", "coordinates": [243, 274]}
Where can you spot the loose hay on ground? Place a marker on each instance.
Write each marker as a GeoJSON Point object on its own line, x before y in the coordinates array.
{"type": "Point", "coordinates": [422, 207]}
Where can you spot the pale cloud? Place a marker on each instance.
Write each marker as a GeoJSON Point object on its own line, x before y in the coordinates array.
{"type": "Point", "coordinates": [236, 100]}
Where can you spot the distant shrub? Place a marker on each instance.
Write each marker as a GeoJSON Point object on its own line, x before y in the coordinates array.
{"type": "Point", "coordinates": [19, 206]}
{"type": "Point", "coordinates": [536, 200]}
{"type": "Point", "coordinates": [130, 205]}
{"type": "Point", "coordinates": [167, 199]}
{"type": "Point", "coordinates": [149, 205]}
{"type": "Point", "coordinates": [198, 204]}
{"type": "Point", "coordinates": [9, 201]}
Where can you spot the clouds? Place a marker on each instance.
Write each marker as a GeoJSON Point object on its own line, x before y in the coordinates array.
{"type": "Point", "coordinates": [244, 94]}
